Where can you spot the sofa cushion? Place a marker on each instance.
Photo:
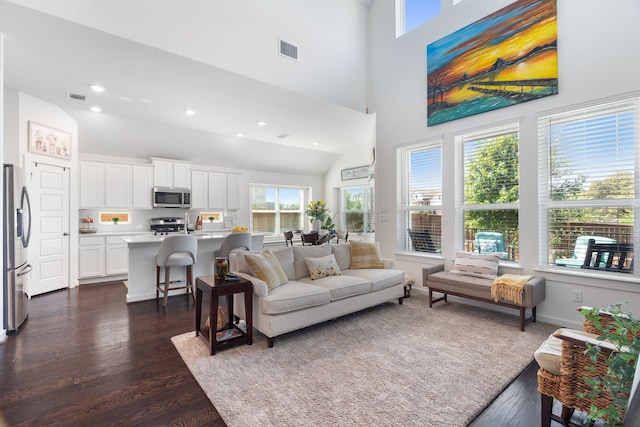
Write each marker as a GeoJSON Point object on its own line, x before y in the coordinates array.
{"type": "Point", "coordinates": [302, 252]}
{"type": "Point", "coordinates": [549, 353]}
{"type": "Point", "coordinates": [322, 267]}
{"type": "Point", "coordinates": [379, 278]}
{"type": "Point", "coordinates": [342, 252]}
{"type": "Point", "coordinates": [476, 265]}
{"type": "Point", "coordinates": [341, 286]}
{"type": "Point", "coordinates": [285, 257]}
{"type": "Point", "coordinates": [265, 266]}
{"type": "Point", "coordinates": [365, 255]}
{"type": "Point", "coordinates": [238, 258]}
{"type": "Point", "coordinates": [294, 296]}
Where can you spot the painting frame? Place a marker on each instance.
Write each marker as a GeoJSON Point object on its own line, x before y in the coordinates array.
{"type": "Point", "coordinates": [49, 141]}
{"type": "Point", "coordinates": [508, 57]}
{"type": "Point", "coordinates": [354, 173]}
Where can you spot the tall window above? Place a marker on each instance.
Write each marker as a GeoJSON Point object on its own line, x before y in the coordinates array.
{"type": "Point", "coordinates": [588, 185]}
{"type": "Point", "coordinates": [419, 193]}
{"type": "Point", "coordinates": [489, 197]}
{"type": "Point", "coordinates": [277, 209]}
{"type": "Point", "coordinates": [412, 13]}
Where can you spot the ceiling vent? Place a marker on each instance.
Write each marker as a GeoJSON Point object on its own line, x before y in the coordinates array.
{"type": "Point", "coordinates": [76, 96]}
{"type": "Point", "coordinates": [288, 50]}
{"type": "Point", "coordinates": [283, 135]}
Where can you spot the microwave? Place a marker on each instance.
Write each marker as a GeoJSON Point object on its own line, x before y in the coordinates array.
{"type": "Point", "coordinates": [171, 198]}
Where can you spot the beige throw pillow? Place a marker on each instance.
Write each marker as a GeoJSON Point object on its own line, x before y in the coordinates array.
{"type": "Point", "coordinates": [476, 265]}
{"type": "Point", "coordinates": [266, 267]}
{"type": "Point", "coordinates": [322, 267]}
{"type": "Point", "coordinates": [365, 255]}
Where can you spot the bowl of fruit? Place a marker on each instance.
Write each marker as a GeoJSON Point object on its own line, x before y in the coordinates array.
{"type": "Point", "coordinates": [239, 229]}
{"type": "Point", "coordinates": [88, 225]}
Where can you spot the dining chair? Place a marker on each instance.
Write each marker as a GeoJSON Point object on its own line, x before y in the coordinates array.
{"type": "Point", "coordinates": [310, 238]}
{"type": "Point", "coordinates": [288, 238]}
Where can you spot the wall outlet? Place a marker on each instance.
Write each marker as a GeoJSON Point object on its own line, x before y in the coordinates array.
{"type": "Point", "coordinates": [577, 296]}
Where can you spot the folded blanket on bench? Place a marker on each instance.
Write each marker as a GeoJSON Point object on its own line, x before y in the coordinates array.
{"type": "Point", "coordinates": [509, 288]}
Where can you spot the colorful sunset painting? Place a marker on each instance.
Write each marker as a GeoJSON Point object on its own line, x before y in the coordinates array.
{"type": "Point", "coordinates": [504, 59]}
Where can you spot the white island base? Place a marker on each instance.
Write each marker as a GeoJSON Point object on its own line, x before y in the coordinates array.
{"type": "Point", "coordinates": [142, 263]}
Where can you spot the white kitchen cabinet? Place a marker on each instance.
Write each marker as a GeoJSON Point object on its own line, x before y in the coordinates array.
{"type": "Point", "coordinates": [92, 183]}
{"type": "Point", "coordinates": [92, 257]}
{"type": "Point", "coordinates": [171, 174]}
{"type": "Point", "coordinates": [118, 185]}
{"type": "Point", "coordinates": [116, 256]}
{"type": "Point", "coordinates": [214, 190]}
{"type": "Point", "coordinates": [217, 190]}
{"type": "Point", "coordinates": [142, 186]}
{"type": "Point", "coordinates": [233, 188]}
{"type": "Point", "coordinates": [199, 190]}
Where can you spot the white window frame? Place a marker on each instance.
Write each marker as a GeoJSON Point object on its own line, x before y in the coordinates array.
{"type": "Point", "coordinates": [403, 194]}
{"type": "Point", "coordinates": [305, 191]}
{"type": "Point", "coordinates": [629, 102]}
{"type": "Point", "coordinates": [495, 130]}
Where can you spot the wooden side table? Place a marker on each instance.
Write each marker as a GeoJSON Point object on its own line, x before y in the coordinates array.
{"type": "Point", "coordinates": [217, 288]}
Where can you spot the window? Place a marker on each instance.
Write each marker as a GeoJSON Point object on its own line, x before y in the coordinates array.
{"type": "Point", "coordinates": [588, 181]}
{"type": "Point", "coordinates": [419, 197]}
{"type": "Point", "coordinates": [488, 198]}
{"type": "Point", "coordinates": [357, 205]}
{"type": "Point", "coordinates": [412, 13]}
{"type": "Point", "coordinates": [277, 209]}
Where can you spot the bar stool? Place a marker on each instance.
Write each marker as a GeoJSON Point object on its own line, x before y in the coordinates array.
{"type": "Point", "coordinates": [175, 251]}
{"type": "Point", "coordinates": [233, 241]}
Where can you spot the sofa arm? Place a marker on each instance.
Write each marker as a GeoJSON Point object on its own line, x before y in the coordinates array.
{"type": "Point", "coordinates": [426, 271]}
{"type": "Point", "coordinates": [389, 263]}
{"type": "Point", "coordinates": [260, 287]}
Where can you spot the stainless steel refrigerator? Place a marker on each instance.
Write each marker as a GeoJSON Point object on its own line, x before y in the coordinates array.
{"type": "Point", "coordinates": [16, 232]}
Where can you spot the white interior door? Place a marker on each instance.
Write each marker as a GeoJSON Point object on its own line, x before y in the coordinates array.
{"type": "Point", "coordinates": [49, 247]}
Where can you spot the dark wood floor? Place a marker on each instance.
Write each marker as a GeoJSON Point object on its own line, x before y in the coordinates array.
{"type": "Point", "coordinates": [85, 357]}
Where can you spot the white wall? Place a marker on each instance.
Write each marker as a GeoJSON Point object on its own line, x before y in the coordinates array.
{"type": "Point", "coordinates": [596, 61]}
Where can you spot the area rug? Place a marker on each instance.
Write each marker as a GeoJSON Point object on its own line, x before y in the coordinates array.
{"type": "Point", "coordinates": [391, 365]}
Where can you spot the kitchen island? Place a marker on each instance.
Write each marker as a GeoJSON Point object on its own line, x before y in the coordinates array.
{"type": "Point", "coordinates": [142, 262]}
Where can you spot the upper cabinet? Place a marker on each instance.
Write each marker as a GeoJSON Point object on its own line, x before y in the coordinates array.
{"type": "Point", "coordinates": [142, 186]}
{"type": "Point", "coordinates": [171, 173]}
{"type": "Point", "coordinates": [92, 184]}
{"type": "Point", "coordinates": [115, 185]}
{"type": "Point", "coordinates": [214, 190]}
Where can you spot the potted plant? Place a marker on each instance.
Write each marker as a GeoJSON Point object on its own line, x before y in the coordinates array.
{"type": "Point", "coordinates": [623, 331]}
{"type": "Point", "coordinates": [115, 219]}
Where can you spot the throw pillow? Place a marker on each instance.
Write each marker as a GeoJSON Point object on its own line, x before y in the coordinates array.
{"type": "Point", "coordinates": [266, 267]}
{"type": "Point", "coordinates": [488, 245]}
{"type": "Point", "coordinates": [476, 265]}
{"type": "Point", "coordinates": [322, 267]}
{"type": "Point", "coordinates": [365, 255]}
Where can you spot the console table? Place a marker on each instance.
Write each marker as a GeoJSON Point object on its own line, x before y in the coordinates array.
{"type": "Point", "coordinates": [217, 288]}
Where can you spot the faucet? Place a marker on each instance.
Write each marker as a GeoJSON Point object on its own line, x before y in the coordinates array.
{"type": "Point", "coordinates": [186, 223]}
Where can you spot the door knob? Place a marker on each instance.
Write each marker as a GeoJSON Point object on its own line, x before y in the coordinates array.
{"type": "Point", "coordinates": [65, 234]}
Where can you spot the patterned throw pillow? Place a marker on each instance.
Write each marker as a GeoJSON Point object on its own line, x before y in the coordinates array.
{"type": "Point", "coordinates": [322, 267]}
{"type": "Point", "coordinates": [476, 265]}
{"type": "Point", "coordinates": [266, 267]}
{"type": "Point", "coordinates": [488, 245]}
{"type": "Point", "coordinates": [365, 255]}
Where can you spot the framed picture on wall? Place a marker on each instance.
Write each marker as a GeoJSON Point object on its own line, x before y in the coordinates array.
{"type": "Point", "coordinates": [49, 141]}
{"type": "Point", "coordinates": [355, 173]}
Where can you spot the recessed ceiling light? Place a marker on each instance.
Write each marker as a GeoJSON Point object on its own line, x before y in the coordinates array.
{"type": "Point", "coordinates": [96, 109]}
{"type": "Point", "coordinates": [315, 143]}
{"type": "Point", "coordinates": [97, 88]}
{"type": "Point", "coordinates": [239, 135]}
{"type": "Point", "coordinates": [145, 101]}
{"type": "Point", "coordinates": [261, 123]}
{"type": "Point", "coordinates": [189, 112]}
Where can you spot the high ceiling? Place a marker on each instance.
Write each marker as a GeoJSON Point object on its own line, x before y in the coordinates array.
{"type": "Point", "coordinates": [148, 89]}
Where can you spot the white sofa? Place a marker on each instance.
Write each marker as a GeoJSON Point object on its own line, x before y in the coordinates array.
{"type": "Point", "coordinates": [302, 302]}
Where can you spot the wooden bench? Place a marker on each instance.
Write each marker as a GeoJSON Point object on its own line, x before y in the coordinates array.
{"type": "Point", "coordinates": [609, 257]}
